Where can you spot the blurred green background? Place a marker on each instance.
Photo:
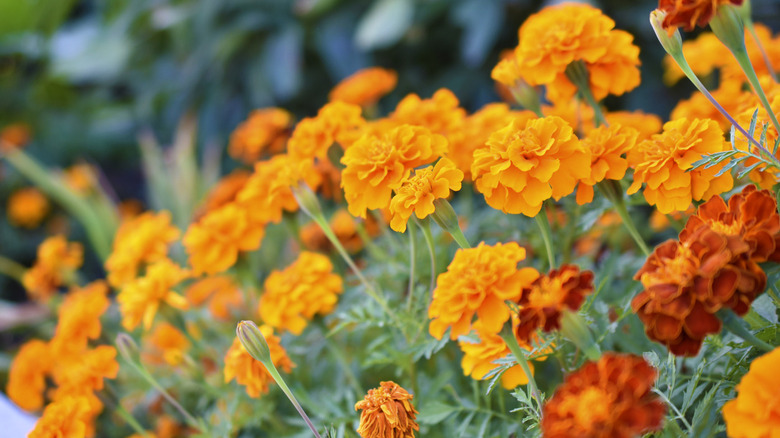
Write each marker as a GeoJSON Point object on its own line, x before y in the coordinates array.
{"type": "Point", "coordinates": [89, 75]}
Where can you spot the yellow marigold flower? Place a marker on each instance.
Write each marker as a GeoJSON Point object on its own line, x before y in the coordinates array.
{"type": "Point", "coordinates": [690, 13]}
{"type": "Point", "coordinates": [27, 207]}
{"type": "Point", "coordinates": [441, 113]}
{"type": "Point", "coordinates": [64, 418]}
{"type": "Point", "coordinates": [665, 162]}
{"type": "Point", "coordinates": [213, 243]}
{"type": "Point", "coordinates": [221, 292]}
{"type": "Point", "coordinates": [27, 376]}
{"type": "Point", "coordinates": [140, 299]}
{"type": "Point", "coordinates": [224, 192]}
{"type": "Point", "coordinates": [251, 373]}
{"type": "Point", "coordinates": [166, 345]}
{"type": "Point", "coordinates": [14, 136]}
{"type": "Point", "coordinates": [521, 166]}
{"type": "Point", "coordinates": [80, 177]}
{"type": "Point", "coordinates": [377, 165]}
{"type": "Point", "coordinates": [754, 412]}
{"type": "Point", "coordinates": [85, 371]}
{"type": "Point", "coordinates": [294, 295]}
{"type": "Point", "coordinates": [56, 264]}
{"type": "Point", "coordinates": [143, 239]}
{"type": "Point", "coordinates": [365, 87]}
{"type": "Point", "coordinates": [339, 122]}
{"type": "Point", "coordinates": [417, 193]}
{"type": "Point", "coordinates": [608, 146]}
{"type": "Point", "coordinates": [764, 179]}
{"type": "Point", "coordinates": [265, 130]}
{"type": "Point", "coordinates": [477, 281]}
{"type": "Point", "coordinates": [609, 398]}
{"type": "Point", "coordinates": [557, 36]}
{"type": "Point", "coordinates": [645, 124]}
{"type": "Point", "coordinates": [79, 317]}
{"type": "Point", "coordinates": [387, 413]}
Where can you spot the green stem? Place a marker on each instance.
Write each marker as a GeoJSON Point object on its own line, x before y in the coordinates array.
{"type": "Point", "coordinates": [445, 216]}
{"type": "Point", "coordinates": [511, 341]}
{"type": "Point", "coordinates": [283, 385]}
{"type": "Point", "coordinates": [767, 61]}
{"type": "Point", "coordinates": [577, 73]}
{"type": "Point", "coordinates": [744, 62]}
{"type": "Point", "coordinates": [425, 225]}
{"type": "Point", "coordinates": [614, 193]}
{"type": "Point", "coordinates": [734, 324]}
{"type": "Point", "coordinates": [131, 421]}
{"type": "Point", "coordinates": [412, 260]}
{"type": "Point", "coordinates": [544, 227]}
{"type": "Point", "coordinates": [12, 269]}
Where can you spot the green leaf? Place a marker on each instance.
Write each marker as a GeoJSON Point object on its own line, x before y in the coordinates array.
{"type": "Point", "coordinates": [384, 24]}
{"type": "Point", "coordinates": [436, 412]}
{"type": "Point", "coordinates": [705, 417]}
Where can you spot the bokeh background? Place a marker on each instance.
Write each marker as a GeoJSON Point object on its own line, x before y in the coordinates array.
{"type": "Point", "coordinates": [88, 76]}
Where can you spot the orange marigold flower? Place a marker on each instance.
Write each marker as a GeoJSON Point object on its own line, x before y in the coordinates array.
{"type": "Point", "coordinates": [690, 13]}
{"type": "Point", "coordinates": [85, 371]}
{"type": "Point", "coordinates": [665, 163]}
{"type": "Point", "coordinates": [140, 299]}
{"type": "Point", "coordinates": [339, 122]}
{"type": "Point", "coordinates": [365, 87]}
{"type": "Point", "coordinates": [27, 207]}
{"type": "Point", "coordinates": [64, 418]}
{"type": "Point", "coordinates": [79, 317]}
{"type": "Point", "coordinates": [477, 281]}
{"type": "Point", "coordinates": [755, 412]}
{"type": "Point", "coordinates": [521, 166]}
{"type": "Point", "coordinates": [645, 124]}
{"type": "Point", "coordinates": [222, 293]}
{"type": "Point", "coordinates": [730, 95]}
{"type": "Point", "coordinates": [166, 345]}
{"type": "Point", "coordinates": [375, 165]}
{"type": "Point", "coordinates": [213, 243]}
{"type": "Point", "coordinates": [441, 113]}
{"type": "Point", "coordinates": [387, 413]}
{"type": "Point", "coordinates": [56, 264]}
{"type": "Point", "coordinates": [417, 193]}
{"type": "Point", "coordinates": [609, 398]}
{"type": "Point", "coordinates": [265, 130]}
{"type": "Point", "coordinates": [14, 136]}
{"type": "Point", "coordinates": [251, 373]}
{"type": "Point", "coordinates": [224, 192]}
{"type": "Point", "coordinates": [27, 376]}
{"type": "Point", "coordinates": [607, 145]}
{"type": "Point", "coordinates": [764, 179]}
{"type": "Point", "coordinates": [294, 295]}
{"type": "Point", "coordinates": [81, 178]}
{"type": "Point", "coordinates": [545, 297]}
{"type": "Point", "coordinates": [143, 239]}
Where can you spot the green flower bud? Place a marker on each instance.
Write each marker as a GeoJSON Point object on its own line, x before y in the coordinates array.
{"type": "Point", "coordinates": [254, 342]}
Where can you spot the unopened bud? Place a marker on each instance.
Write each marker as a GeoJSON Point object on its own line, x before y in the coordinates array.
{"type": "Point", "coordinates": [671, 41]}
{"type": "Point", "coordinates": [728, 26]}
{"type": "Point", "coordinates": [127, 347]}
{"type": "Point", "coordinates": [444, 215]}
{"type": "Point", "coordinates": [254, 342]}
{"type": "Point", "coordinates": [307, 200]}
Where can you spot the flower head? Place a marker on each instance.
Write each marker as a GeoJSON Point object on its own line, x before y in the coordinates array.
{"type": "Point", "coordinates": [27, 207]}
{"type": "Point", "coordinates": [755, 411]}
{"type": "Point", "coordinates": [224, 192]}
{"type": "Point", "coordinates": [365, 86]}
{"type": "Point", "coordinates": [56, 264]}
{"type": "Point", "coordinates": [64, 418]}
{"type": "Point", "coordinates": [441, 113]}
{"type": "Point", "coordinates": [387, 413]}
{"type": "Point", "coordinates": [521, 166]}
{"type": "Point", "coordinates": [222, 293]}
{"type": "Point", "coordinates": [85, 370]}
{"type": "Point", "coordinates": [417, 193]}
{"type": "Point", "coordinates": [27, 376]}
{"type": "Point", "coordinates": [166, 345]}
{"type": "Point", "coordinates": [294, 295]}
{"type": "Point", "coordinates": [665, 164]}
{"type": "Point", "coordinates": [690, 13]}
{"type": "Point", "coordinates": [608, 146]}
{"type": "Point", "coordinates": [251, 373]}
{"type": "Point", "coordinates": [265, 130]}
{"type": "Point", "coordinates": [609, 398]}
{"type": "Point", "coordinates": [140, 299]}
{"type": "Point", "coordinates": [15, 135]}
{"type": "Point", "coordinates": [338, 122]}
{"type": "Point", "coordinates": [79, 317]}
{"type": "Point", "coordinates": [477, 282]}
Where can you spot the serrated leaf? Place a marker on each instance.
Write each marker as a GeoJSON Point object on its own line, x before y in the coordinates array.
{"type": "Point", "coordinates": [705, 417]}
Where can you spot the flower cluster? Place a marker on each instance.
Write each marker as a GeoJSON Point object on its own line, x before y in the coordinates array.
{"type": "Point", "coordinates": [56, 264]}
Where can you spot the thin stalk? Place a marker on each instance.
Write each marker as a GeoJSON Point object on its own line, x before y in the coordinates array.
{"type": "Point", "coordinates": [131, 421]}
{"type": "Point", "coordinates": [522, 360]}
{"type": "Point", "coordinates": [412, 259]}
{"type": "Point", "coordinates": [283, 385]}
{"type": "Point", "coordinates": [612, 191]}
{"type": "Point", "coordinates": [11, 269]}
{"type": "Point", "coordinates": [674, 408]}
{"type": "Point", "coordinates": [764, 55]}
{"type": "Point", "coordinates": [425, 226]}
{"type": "Point", "coordinates": [577, 73]}
{"type": "Point", "coordinates": [744, 62]}
{"type": "Point", "coordinates": [544, 227]}
{"type": "Point", "coordinates": [734, 324]}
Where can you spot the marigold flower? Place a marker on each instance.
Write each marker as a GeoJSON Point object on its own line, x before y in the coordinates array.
{"type": "Point", "coordinates": [79, 317]}
{"type": "Point", "coordinates": [140, 299]}
{"type": "Point", "coordinates": [294, 295]}
{"type": "Point", "coordinates": [27, 376]}
{"type": "Point", "coordinates": [222, 293]}
{"type": "Point", "coordinates": [339, 122]}
{"type": "Point", "coordinates": [730, 95]}
{"type": "Point", "coordinates": [27, 207]}
{"type": "Point", "coordinates": [213, 243]}
{"type": "Point", "coordinates": [754, 412]}
{"type": "Point", "coordinates": [388, 412]}
{"type": "Point", "coordinates": [441, 114]}
{"type": "Point", "coordinates": [478, 281]}
{"type": "Point", "coordinates": [56, 264]}
{"type": "Point", "coordinates": [521, 166]}
{"type": "Point", "coordinates": [15, 135]}
{"type": "Point", "coordinates": [690, 13]}
{"type": "Point", "coordinates": [265, 130]}
{"type": "Point", "coordinates": [364, 87]}
{"type": "Point", "coordinates": [64, 418]}
{"type": "Point", "coordinates": [377, 165]}
{"type": "Point", "coordinates": [166, 345]}
{"type": "Point", "coordinates": [143, 239]}
{"type": "Point", "coordinates": [665, 163]}
{"type": "Point", "coordinates": [544, 298]}
{"type": "Point", "coordinates": [417, 193]}
{"type": "Point", "coordinates": [224, 192]}
{"type": "Point", "coordinates": [81, 178]}
{"type": "Point", "coordinates": [609, 398]}
{"type": "Point", "coordinates": [764, 179]}
{"type": "Point", "coordinates": [85, 371]}
{"type": "Point", "coordinates": [607, 145]}
{"type": "Point", "coordinates": [251, 373]}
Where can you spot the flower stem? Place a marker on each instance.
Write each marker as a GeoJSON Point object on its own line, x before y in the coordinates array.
{"type": "Point", "coordinates": [507, 334]}
{"type": "Point", "coordinates": [412, 260]}
{"type": "Point", "coordinates": [11, 269]}
{"type": "Point", "coordinates": [577, 73]}
{"type": "Point", "coordinates": [734, 324]}
{"type": "Point", "coordinates": [544, 227]}
{"type": "Point", "coordinates": [615, 195]}
{"type": "Point", "coordinates": [770, 69]}
{"type": "Point", "coordinates": [445, 216]}
{"type": "Point", "coordinates": [283, 385]}
{"type": "Point", "coordinates": [131, 421]}
{"type": "Point", "coordinates": [425, 226]}
{"type": "Point", "coordinates": [744, 62]}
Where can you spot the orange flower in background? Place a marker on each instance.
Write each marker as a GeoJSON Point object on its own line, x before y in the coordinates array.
{"type": "Point", "coordinates": [645, 124]}
{"type": "Point", "coordinates": [344, 226]}
{"type": "Point", "coordinates": [222, 293]}
{"type": "Point", "coordinates": [607, 145]}
{"type": "Point", "coordinates": [441, 114]}
{"type": "Point", "coordinates": [265, 131]}
{"type": "Point", "coordinates": [27, 207]}
{"type": "Point", "coordinates": [764, 179]}
{"type": "Point", "coordinates": [64, 418]}
{"type": "Point", "coordinates": [364, 87]}
{"type": "Point", "coordinates": [338, 122]}
{"type": "Point", "coordinates": [417, 193]}
{"type": "Point", "coordinates": [140, 299]}
{"type": "Point", "coordinates": [544, 298]}
{"type": "Point", "coordinates": [477, 282]}
{"type": "Point", "coordinates": [730, 95]}
{"type": "Point", "coordinates": [15, 135]}
{"type": "Point", "coordinates": [166, 345]}
{"type": "Point", "coordinates": [56, 265]}
{"type": "Point", "coordinates": [388, 412]}
{"type": "Point", "coordinates": [143, 239]}
{"type": "Point", "coordinates": [251, 373]}
{"type": "Point", "coordinates": [690, 13]}
{"type": "Point", "coordinates": [214, 242]}
{"type": "Point", "coordinates": [27, 375]}
{"type": "Point", "coordinates": [755, 411]}
{"type": "Point", "coordinates": [377, 165]}
{"type": "Point", "coordinates": [85, 371]}
{"type": "Point", "coordinates": [81, 178]}
{"type": "Point", "coordinates": [79, 317]}
{"type": "Point", "coordinates": [224, 192]}
{"type": "Point", "coordinates": [294, 295]}
{"type": "Point", "coordinates": [521, 166]}
{"type": "Point", "coordinates": [665, 164]}
{"type": "Point", "coordinates": [609, 398]}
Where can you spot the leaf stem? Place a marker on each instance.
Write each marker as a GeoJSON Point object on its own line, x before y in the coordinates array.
{"type": "Point", "coordinates": [544, 228]}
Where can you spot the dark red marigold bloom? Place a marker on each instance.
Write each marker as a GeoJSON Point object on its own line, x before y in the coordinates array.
{"type": "Point", "coordinates": [611, 398]}
{"type": "Point", "coordinates": [690, 13]}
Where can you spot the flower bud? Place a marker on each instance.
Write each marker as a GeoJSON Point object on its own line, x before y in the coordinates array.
{"type": "Point", "coordinates": [574, 328]}
{"type": "Point", "coordinates": [127, 347]}
{"type": "Point", "coordinates": [728, 26]}
{"type": "Point", "coordinates": [307, 200]}
{"type": "Point", "coordinates": [254, 342]}
{"type": "Point", "coordinates": [444, 215]}
{"type": "Point", "coordinates": [671, 41]}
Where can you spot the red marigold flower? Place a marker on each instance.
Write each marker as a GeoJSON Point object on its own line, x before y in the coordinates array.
{"type": "Point", "coordinates": [543, 301]}
{"type": "Point", "coordinates": [387, 413]}
{"type": "Point", "coordinates": [609, 398]}
{"type": "Point", "coordinates": [690, 13]}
